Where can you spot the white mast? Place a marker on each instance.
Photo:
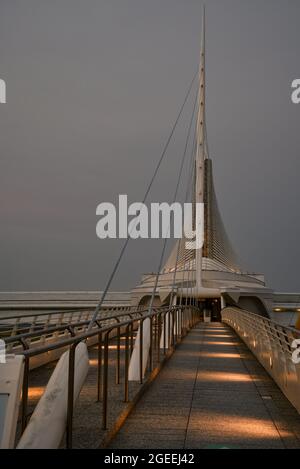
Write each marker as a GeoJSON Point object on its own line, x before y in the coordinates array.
{"type": "Point", "coordinates": [200, 145]}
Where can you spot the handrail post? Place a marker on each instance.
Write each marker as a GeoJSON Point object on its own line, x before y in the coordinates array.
{"type": "Point", "coordinates": [176, 325]}
{"type": "Point", "coordinates": [25, 394]}
{"type": "Point", "coordinates": [118, 356]}
{"type": "Point", "coordinates": [173, 327]}
{"type": "Point", "coordinates": [105, 382]}
{"type": "Point", "coordinates": [71, 372]}
{"type": "Point", "coordinates": [158, 340]}
{"type": "Point", "coordinates": [165, 331]}
{"type": "Point", "coordinates": [154, 331]}
{"type": "Point", "coordinates": [141, 350]}
{"type": "Point", "coordinates": [151, 345]}
{"type": "Point", "coordinates": [131, 338]}
{"type": "Point", "coordinates": [99, 376]}
{"type": "Point", "coordinates": [24, 387]}
{"type": "Point", "coordinates": [126, 364]}
{"type": "Point", "coordinates": [169, 330]}
{"type": "Point", "coordinates": [179, 322]}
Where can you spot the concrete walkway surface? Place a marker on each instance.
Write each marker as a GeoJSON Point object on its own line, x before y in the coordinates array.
{"type": "Point", "coordinates": [212, 393]}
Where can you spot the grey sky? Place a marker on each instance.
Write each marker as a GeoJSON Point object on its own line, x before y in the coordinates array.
{"type": "Point", "coordinates": [93, 88]}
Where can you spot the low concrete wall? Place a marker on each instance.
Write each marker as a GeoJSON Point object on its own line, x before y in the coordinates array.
{"type": "Point", "coordinates": [48, 421]}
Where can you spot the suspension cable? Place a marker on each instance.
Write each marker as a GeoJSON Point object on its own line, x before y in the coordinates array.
{"type": "Point", "coordinates": [111, 277]}
{"type": "Point", "coordinates": [173, 200]}
{"type": "Point", "coordinates": [177, 187]}
{"type": "Point", "coordinates": [187, 195]}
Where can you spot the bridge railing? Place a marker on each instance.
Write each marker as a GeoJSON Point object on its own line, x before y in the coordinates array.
{"type": "Point", "coordinates": [48, 328]}
{"type": "Point", "coordinates": [30, 321]}
{"type": "Point", "coordinates": [167, 327]}
{"type": "Point", "coordinates": [273, 344]}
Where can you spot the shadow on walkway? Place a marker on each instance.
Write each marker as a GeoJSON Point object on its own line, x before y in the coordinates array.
{"type": "Point", "coordinates": [211, 393]}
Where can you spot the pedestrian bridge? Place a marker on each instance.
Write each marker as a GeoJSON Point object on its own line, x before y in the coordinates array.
{"type": "Point", "coordinates": [207, 384]}
{"type": "Point", "coordinates": [212, 393]}
{"type": "Point", "coordinates": [154, 372]}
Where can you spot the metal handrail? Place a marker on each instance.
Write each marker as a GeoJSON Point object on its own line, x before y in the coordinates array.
{"type": "Point", "coordinates": [273, 344]}
{"type": "Point", "coordinates": [36, 329]}
{"type": "Point", "coordinates": [259, 317]}
{"type": "Point", "coordinates": [52, 329]}
{"type": "Point", "coordinates": [183, 318]}
{"type": "Point", "coordinates": [58, 332]}
{"type": "Point", "coordinates": [33, 313]}
{"type": "Point", "coordinates": [33, 320]}
{"type": "Point", "coordinates": [30, 352]}
{"type": "Point", "coordinates": [63, 311]}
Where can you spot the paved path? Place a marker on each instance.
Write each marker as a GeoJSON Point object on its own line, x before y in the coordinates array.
{"type": "Point", "coordinates": [211, 393]}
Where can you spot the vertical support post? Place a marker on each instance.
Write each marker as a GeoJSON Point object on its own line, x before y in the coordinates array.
{"type": "Point", "coordinates": [179, 322]}
{"type": "Point", "coordinates": [70, 409]}
{"type": "Point", "coordinates": [158, 339]}
{"type": "Point", "coordinates": [151, 345]}
{"type": "Point", "coordinates": [118, 356]}
{"type": "Point", "coordinates": [126, 390]}
{"type": "Point", "coordinates": [176, 325]}
{"type": "Point", "coordinates": [131, 338]}
{"type": "Point", "coordinates": [173, 328]}
{"type": "Point", "coordinates": [200, 149]}
{"type": "Point", "coordinates": [25, 394]}
{"type": "Point", "coordinates": [166, 332]}
{"type": "Point", "coordinates": [99, 376]}
{"type": "Point", "coordinates": [105, 382]}
{"type": "Point", "coordinates": [141, 350]}
{"type": "Point", "coordinates": [170, 329]}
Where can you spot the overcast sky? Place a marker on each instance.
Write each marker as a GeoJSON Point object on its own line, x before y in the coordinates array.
{"type": "Point", "coordinates": [93, 88]}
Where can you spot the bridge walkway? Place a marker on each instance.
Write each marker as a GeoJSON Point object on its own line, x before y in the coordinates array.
{"type": "Point", "coordinates": [212, 393]}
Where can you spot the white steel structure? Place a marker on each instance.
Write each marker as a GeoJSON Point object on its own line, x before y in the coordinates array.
{"type": "Point", "coordinates": [214, 271]}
